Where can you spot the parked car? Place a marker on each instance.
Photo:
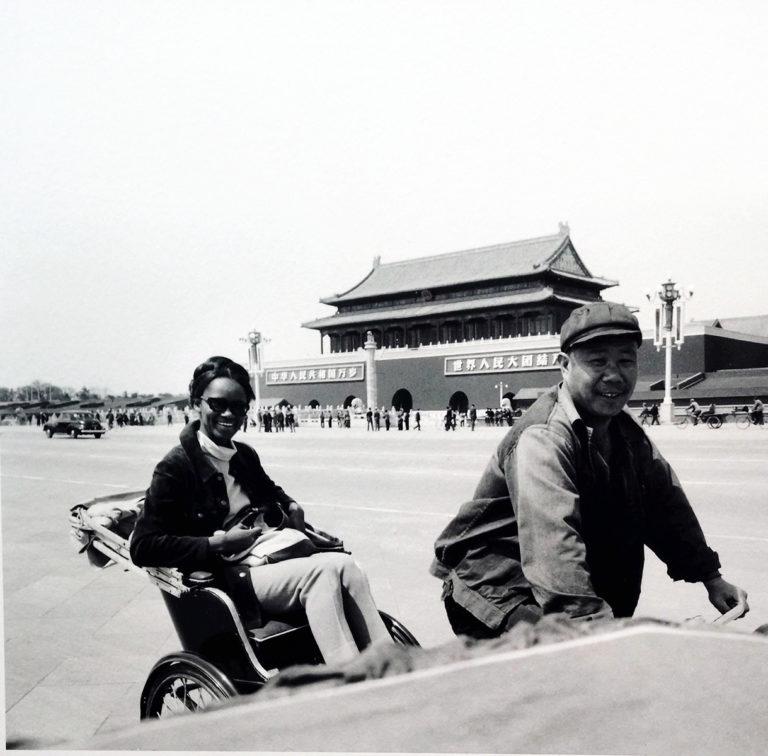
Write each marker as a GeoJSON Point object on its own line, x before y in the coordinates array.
{"type": "Point", "coordinates": [74, 424]}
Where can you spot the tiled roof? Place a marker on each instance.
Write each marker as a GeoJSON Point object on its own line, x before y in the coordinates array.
{"type": "Point", "coordinates": [429, 309]}
{"type": "Point", "coordinates": [747, 382]}
{"type": "Point", "coordinates": [527, 393]}
{"type": "Point", "coordinates": [757, 325]}
{"type": "Point", "coordinates": [511, 259]}
{"type": "Point", "coordinates": [750, 380]}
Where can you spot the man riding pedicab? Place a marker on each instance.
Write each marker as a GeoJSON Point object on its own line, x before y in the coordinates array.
{"type": "Point", "coordinates": [574, 492]}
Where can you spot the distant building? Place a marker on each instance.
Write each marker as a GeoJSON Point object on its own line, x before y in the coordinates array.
{"type": "Point", "coordinates": [480, 326]}
{"type": "Point", "coordinates": [520, 288]}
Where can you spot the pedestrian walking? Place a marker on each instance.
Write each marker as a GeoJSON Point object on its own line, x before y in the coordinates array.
{"type": "Point", "coordinates": [377, 419]}
{"type": "Point", "coordinates": [369, 420]}
{"type": "Point", "coordinates": [290, 419]}
{"type": "Point", "coordinates": [472, 417]}
{"type": "Point", "coordinates": [417, 419]}
{"type": "Point", "coordinates": [387, 420]}
{"type": "Point", "coordinates": [406, 418]}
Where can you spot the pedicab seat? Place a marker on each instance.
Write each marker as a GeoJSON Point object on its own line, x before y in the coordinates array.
{"type": "Point", "coordinates": [257, 627]}
{"type": "Point", "coordinates": [229, 646]}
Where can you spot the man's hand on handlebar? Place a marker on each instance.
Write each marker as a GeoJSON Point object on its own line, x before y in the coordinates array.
{"type": "Point", "coordinates": [232, 541]}
{"type": "Point", "coordinates": [724, 596]}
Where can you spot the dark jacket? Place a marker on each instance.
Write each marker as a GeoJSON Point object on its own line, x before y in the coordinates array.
{"type": "Point", "coordinates": [187, 501]}
{"type": "Point", "coordinates": [551, 522]}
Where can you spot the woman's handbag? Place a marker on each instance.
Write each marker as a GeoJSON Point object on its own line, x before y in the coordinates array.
{"type": "Point", "coordinates": [280, 543]}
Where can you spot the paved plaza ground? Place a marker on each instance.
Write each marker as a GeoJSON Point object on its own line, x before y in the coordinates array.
{"type": "Point", "coordinates": [79, 641]}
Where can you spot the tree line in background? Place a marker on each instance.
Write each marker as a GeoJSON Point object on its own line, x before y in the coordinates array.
{"type": "Point", "coordinates": [38, 391]}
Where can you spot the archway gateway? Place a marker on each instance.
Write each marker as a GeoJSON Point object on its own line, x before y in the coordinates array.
{"type": "Point", "coordinates": [402, 399]}
{"type": "Point", "coordinates": [459, 401]}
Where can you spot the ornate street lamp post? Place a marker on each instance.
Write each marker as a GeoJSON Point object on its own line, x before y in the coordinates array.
{"type": "Point", "coordinates": [668, 317]}
{"type": "Point", "coordinates": [254, 341]}
{"type": "Point", "coordinates": [501, 386]}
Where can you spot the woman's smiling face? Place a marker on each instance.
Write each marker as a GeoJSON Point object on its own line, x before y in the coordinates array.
{"type": "Point", "coordinates": [220, 426]}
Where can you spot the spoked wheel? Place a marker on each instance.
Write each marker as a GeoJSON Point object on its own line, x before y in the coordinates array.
{"type": "Point", "coordinates": [743, 421]}
{"type": "Point", "coordinates": [182, 683]}
{"type": "Point", "coordinates": [714, 422]}
{"type": "Point", "coordinates": [681, 422]}
{"type": "Point", "coordinates": [399, 632]}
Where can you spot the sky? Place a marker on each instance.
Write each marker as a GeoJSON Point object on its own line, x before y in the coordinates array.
{"type": "Point", "coordinates": [175, 174]}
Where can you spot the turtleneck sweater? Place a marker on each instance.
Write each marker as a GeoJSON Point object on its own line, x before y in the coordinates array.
{"type": "Point", "coordinates": [219, 457]}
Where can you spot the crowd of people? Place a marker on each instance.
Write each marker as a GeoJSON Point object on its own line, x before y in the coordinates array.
{"type": "Point", "coordinates": [280, 418]}
{"type": "Point", "coordinates": [499, 416]}
{"type": "Point", "coordinates": [277, 419]}
{"type": "Point", "coordinates": [120, 416]}
{"type": "Point", "coordinates": [395, 417]}
{"type": "Point", "coordinates": [274, 419]}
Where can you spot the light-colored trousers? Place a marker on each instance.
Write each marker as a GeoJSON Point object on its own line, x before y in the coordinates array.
{"type": "Point", "coordinates": [333, 592]}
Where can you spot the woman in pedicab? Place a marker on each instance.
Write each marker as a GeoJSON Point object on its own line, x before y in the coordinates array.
{"type": "Point", "coordinates": [211, 503]}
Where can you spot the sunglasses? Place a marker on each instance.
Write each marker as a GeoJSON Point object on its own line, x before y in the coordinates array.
{"type": "Point", "coordinates": [222, 405]}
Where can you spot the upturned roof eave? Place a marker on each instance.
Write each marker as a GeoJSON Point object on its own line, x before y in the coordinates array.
{"type": "Point", "coordinates": [339, 296]}
{"type": "Point", "coordinates": [603, 283]}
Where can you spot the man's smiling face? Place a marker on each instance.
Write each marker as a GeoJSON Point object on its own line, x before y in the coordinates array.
{"type": "Point", "coordinates": [600, 376]}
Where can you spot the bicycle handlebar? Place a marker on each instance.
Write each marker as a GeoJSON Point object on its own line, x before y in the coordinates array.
{"type": "Point", "coordinates": [732, 614]}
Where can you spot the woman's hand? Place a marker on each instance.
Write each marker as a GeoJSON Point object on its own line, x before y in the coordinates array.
{"type": "Point", "coordinates": [232, 541]}
{"type": "Point", "coordinates": [296, 516]}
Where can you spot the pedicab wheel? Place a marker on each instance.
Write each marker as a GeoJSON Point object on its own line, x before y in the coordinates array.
{"type": "Point", "coordinates": [714, 422]}
{"type": "Point", "coordinates": [743, 422]}
{"type": "Point", "coordinates": [399, 632]}
{"type": "Point", "coordinates": [681, 422]}
{"type": "Point", "coordinates": [181, 683]}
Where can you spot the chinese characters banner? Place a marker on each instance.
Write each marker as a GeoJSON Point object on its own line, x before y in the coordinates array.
{"type": "Point", "coordinates": [506, 362]}
{"type": "Point", "coordinates": [283, 376]}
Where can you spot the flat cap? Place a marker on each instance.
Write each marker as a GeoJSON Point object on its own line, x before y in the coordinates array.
{"type": "Point", "coordinates": [596, 320]}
